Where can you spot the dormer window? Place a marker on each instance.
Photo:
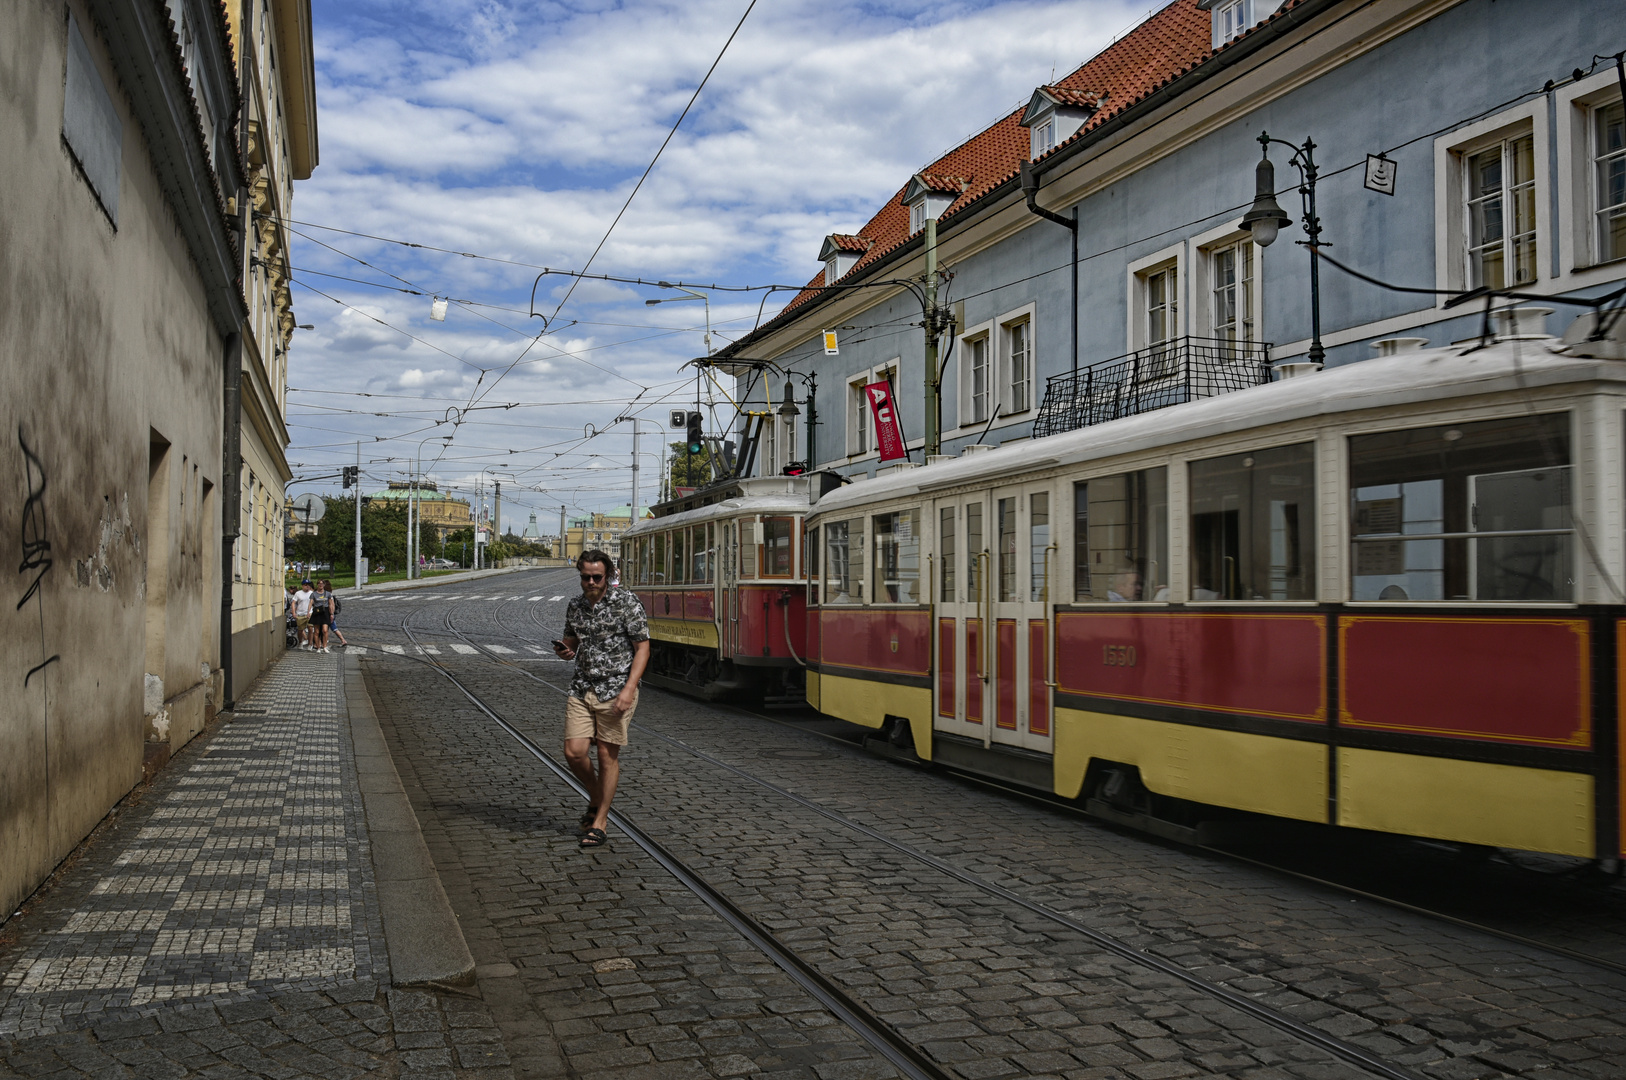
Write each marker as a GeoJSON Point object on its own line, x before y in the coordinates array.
{"type": "Point", "coordinates": [928, 196]}
{"type": "Point", "coordinates": [1054, 115]}
{"type": "Point", "coordinates": [839, 254]}
{"type": "Point", "coordinates": [1231, 18]}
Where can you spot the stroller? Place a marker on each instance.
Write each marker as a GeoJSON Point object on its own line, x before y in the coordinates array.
{"type": "Point", "coordinates": [291, 635]}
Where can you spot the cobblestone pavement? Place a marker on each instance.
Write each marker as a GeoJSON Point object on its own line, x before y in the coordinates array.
{"type": "Point", "coordinates": [226, 923]}
{"type": "Point", "coordinates": [989, 990]}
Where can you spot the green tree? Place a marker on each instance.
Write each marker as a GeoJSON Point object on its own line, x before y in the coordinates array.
{"type": "Point", "coordinates": [692, 470]}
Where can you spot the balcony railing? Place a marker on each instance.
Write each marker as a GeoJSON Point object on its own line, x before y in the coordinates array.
{"type": "Point", "coordinates": [1169, 373]}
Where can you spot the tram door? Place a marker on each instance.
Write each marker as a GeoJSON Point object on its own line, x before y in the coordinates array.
{"type": "Point", "coordinates": [1023, 562]}
{"type": "Point", "coordinates": [959, 571]}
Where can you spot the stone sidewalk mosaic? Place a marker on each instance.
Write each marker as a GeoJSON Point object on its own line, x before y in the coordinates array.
{"type": "Point", "coordinates": [244, 872]}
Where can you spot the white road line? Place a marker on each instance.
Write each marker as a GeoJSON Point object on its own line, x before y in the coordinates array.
{"type": "Point", "coordinates": [551, 599]}
{"type": "Point", "coordinates": [396, 649]}
{"type": "Point", "coordinates": [430, 649]}
{"type": "Point", "coordinates": [534, 598]}
{"type": "Point", "coordinates": [501, 650]}
{"type": "Point", "coordinates": [466, 650]}
{"type": "Point", "coordinates": [535, 648]}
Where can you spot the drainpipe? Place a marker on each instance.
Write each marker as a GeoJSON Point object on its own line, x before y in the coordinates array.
{"type": "Point", "coordinates": [1030, 189]}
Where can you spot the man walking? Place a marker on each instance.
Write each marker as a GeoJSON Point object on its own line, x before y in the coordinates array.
{"type": "Point", "coordinates": [607, 635]}
{"type": "Point", "coordinates": [302, 612]}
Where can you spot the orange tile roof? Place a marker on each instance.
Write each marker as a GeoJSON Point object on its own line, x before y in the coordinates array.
{"type": "Point", "coordinates": [1168, 44]}
{"type": "Point", "coordinates": [1067, 95]}
{"type": "Point", "coordinates": [846, 242]}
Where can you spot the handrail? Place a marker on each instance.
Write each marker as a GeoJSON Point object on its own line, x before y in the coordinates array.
{"type": "Point", "coordinates": [1049, 628]}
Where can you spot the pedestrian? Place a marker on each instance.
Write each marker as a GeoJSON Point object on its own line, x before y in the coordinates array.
{"type": "Point", "coordinates": [607, 634]}
{"type": "Point", "coordinates": [333, 613]}
{"type": "Point", "coordinates": [291, 631]}
{"type": "Point", "coordinates": [321, 615]}
{"type": "Point", "coordinates": [302, 612]}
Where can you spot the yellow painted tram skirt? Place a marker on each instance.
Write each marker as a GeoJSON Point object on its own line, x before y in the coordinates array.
{"type": "Point", "coordinates": [868, 703]}
{"type": "Point", "coordinates": [1284, 777]}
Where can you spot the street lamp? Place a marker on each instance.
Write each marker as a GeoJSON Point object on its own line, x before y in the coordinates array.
{"type": "Point", "coordinates": [691, 295]}
{"type": "Point", "coordinates": [789, 409]}
{"type": "Point", "coordinates": [413, 507]}
{"type": "Point", "coordinates": [1265, 218]}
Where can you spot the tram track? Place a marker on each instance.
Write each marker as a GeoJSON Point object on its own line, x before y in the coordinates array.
{"type": "Point", "coordinates": [885, 1039]}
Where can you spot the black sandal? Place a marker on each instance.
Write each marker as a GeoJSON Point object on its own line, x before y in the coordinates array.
{"type": "Point", "coordinates": [588, 818]}
{"type": "Point", "coordinates": [594, 838]}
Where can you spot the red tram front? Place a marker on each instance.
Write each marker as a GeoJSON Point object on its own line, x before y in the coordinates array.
{"type": "Point", "coordinates": [721, 574]}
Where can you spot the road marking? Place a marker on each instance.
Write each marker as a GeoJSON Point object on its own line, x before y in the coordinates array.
{"type": "Point", "coordinates": [430, 649]}
{"type": "Point", "coordinates": [533, 598]}
{"type": "Point", "coordinates": [396, 649]}
{"type": "Point", "coordinates": [551, 599]}
{"type": "Point", "coordinates": [535, 648]}
{"type": "Point", "coordinates": [501, 650]}
{"type": "Point", "coordinates": [466, 650]}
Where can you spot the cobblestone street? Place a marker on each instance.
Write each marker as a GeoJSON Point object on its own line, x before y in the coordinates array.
{"type": "Point", "coordinates": [227, 923]}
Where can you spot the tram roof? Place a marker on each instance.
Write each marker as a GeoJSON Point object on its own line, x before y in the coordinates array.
{"type": "Point", "coordinates": [773, 502]}
{"type": "Point", "coordinates": [1508, 366]}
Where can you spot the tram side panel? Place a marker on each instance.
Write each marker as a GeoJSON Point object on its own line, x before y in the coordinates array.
{"type": "Point", "coordinates": [1219, 708]}
{"type": "Point", "coordinates": [875, 663]}
{"type": "Point", "coordinates": [767, 613]}
{"type": "Point", "coordinates": [1472, 729]}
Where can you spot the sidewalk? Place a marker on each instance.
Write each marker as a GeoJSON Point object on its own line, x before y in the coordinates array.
{"type": "Point", "coordinates": [230, 921]}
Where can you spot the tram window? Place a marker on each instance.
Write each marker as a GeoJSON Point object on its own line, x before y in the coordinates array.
{"type": "Point", "coordinates": [699, 556]}
{"type": "Point", "coordinates": [1422, 499]}
{"type": "Point", "coordinates": [1006, 509]}
{"type": "Point", "coordinates": [810, 556]}
{"type": "Point", "coordinates": [776, 546]}
{"type": "Point", "coordinates": [658, 574]}
{"type": "Point", "coordinates": [897, 558]}
{"type": "Point", "coordinates": [946, 555]}
{"type": "Point", "coordinates": [1038, 544]}
{"type": "Point", "coordinates": [843, 545]}
{"type": "Point", "coordinates": [1121, 537]}
{"type": "Point", "coordinates": [748, 547]}
{"type": "Point", "coordinates": [680, 561]}
{"type": "Point", "coordinates": [1253, 525]}
{"type": "Point", "coordinates": [973, 549]}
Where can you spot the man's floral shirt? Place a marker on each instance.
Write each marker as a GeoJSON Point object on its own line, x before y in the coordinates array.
{"type": "Point", "coordinates": [606, 634]}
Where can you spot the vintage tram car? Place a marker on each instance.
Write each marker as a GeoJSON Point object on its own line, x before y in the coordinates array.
{"type": "Point", "coordinates": [721, 574]}
{"type": "Point", "coordinates": [1386, 595]}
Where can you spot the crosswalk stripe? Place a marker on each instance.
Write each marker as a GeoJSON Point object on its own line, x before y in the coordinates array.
{"type": "Point", "coordinates": [534, 598]}
{"type": "Point", "coordinates": [535, 648]}
{"type": "Point", "coordinates": [466, 650]}
{"type": "Point", "coordinates": [396, 649]}
{"type": "Point", "coordinates": [551, 599]}
{"type": "Point", "coordinates": [501, 650]}
{"type": "Point", "coordinates": [430, 649]}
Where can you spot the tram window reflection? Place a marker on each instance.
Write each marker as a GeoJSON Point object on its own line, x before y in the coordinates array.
{"type": "Point", "coordinates": [1007, 549]}
{"type": "Point", "coordinates": [776, 546]}
{"type": "Point", "coordinates": [1121, 537]}
{"type": "Point", "coordinates": [897, 557]}
{"type": "Point", "coordinates": [680, 562]}
{"type": "Point", "coordinates": [1424, 497]}
{"type": "Point", "coordinates": [1038, 544]}
{"type": "Point", "coordinates": [658, 575]}
{"type": "Point", "coordinates": [1253, 525]}
{"type": "Point", "coordinates": [810, 553]}
{"type": "Point", "coordinates": [973, 550]}
{"type": "Point", "coordinates": [946, 555]}
{"type": "Point", "coordinates": [843, 545]}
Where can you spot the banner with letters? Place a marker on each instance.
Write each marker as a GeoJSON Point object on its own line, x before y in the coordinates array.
{"type": "Point", "coordinates": [888, 433]}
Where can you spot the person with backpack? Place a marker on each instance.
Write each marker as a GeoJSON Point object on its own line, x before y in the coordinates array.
{"type": "Point", "coordinates": [321, 615]}
{"type": "Point", "coordinates": [333, 613]}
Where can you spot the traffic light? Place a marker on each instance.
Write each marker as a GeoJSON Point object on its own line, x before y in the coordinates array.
{"type": "Point", "coordinates": [350, 472]}
{"type": "Point", "coordinates": [697, 436]}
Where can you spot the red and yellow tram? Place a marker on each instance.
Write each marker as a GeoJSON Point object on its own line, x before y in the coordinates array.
{"type": "Point", "coordinates": [1386, 596]}
{"type": "Point", "coordinates": [721, 575]}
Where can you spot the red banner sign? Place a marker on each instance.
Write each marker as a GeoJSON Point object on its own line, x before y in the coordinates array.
{"type": "Point", "coordinates": [888, 433]}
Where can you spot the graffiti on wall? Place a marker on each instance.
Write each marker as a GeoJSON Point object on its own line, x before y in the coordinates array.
{"type": "Point", "coordinates": [36, 543]}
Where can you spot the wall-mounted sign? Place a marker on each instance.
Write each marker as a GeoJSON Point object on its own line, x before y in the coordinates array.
{"type": "Point", "coordinates": [1380, 174]}
{"type": "Point", "coordinates": [888, 434]}
{"type": "Point", "coordinates": [830, 343]}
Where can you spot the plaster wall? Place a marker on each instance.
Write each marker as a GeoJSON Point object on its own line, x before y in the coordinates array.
{"type": "Point", "coordinates": [108, 344]}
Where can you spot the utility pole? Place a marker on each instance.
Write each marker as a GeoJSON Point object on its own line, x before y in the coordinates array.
{"type": "Point", "coordinates": [632, 514]}
{"type": "Point", "coordinates": [358, 518]}
{"type": "Point", "coordinates": [934, 401]}
{"type": "Point", "coordinates": [564, 552]}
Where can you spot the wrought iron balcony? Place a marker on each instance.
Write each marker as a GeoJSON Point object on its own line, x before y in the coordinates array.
{"type": "Point", "coordinates": [1169, 373]}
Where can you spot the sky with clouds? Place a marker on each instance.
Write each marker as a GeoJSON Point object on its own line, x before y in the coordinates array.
{"type": "Point", "coordinates": [516, 131]}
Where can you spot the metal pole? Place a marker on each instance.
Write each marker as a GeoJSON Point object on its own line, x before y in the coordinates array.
{"type": "Point", "coordinates": [358, 517]}
{"type": "Point", "coordinates": [812, 418]}
{"type": "Point", "coordinates": [564, 552]}
{"type": "Point", "coordinates": [412, 491]}
{"type": "Point", "coordinates": [634, 511]}
{"type": "Point", "coordinates": [933, 409]}
{"type": "Point", "coordinates": [1312, 229]}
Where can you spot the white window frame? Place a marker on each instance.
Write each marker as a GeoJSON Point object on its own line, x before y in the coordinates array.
{"type": "Point", "coordinates": [1042, 136]}
{"type": "Point", "coordinates": [1231, 19]}
{"type": "Point", "coordinates": [860, 429]}
{"type": "Point", "coordinates": [1206, 246]}
{"type": "Point", "coordinates": [982, 332]}
{"type": "Point", "coordinates": [917, 216]}
{"type": "Point", "coordinates": [1140, 272]}
{"type": "Point", "coordinates": [1577, 233]}
{"type": "Point", "coordinates": [832, 269]}
{"type": "Point", "coordinates": [1451, 152]}
{"type": "Point", "coordinates": [1022, 316]}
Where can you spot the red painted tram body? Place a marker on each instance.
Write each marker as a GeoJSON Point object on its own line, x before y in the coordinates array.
{"type": "Point", "coordinates": [1384, 596]}
{"type": "Point", "coordinates": [721, 575]}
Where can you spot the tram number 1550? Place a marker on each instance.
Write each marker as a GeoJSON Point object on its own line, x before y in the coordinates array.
{"type": "Point", "coordinates": [1118, 655]}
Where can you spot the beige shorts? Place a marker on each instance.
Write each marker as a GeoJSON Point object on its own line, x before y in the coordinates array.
{"type": "Point", "coordinates": [594, 719]}
{"type": "Point", "coordinates": [302, 621]}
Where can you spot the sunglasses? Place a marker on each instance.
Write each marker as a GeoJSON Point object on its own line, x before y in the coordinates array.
{"type": "Point", "coordinates": [593, 578]}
